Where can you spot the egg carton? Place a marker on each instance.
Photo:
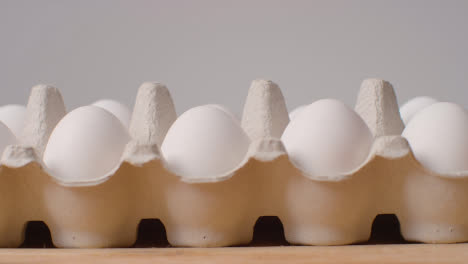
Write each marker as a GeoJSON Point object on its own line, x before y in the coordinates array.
{"type": "Point", "coordinates": [221, 210]}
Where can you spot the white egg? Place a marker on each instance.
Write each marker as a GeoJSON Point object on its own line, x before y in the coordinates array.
{"type": "Point", "coordinates": [118, 109]}
{"type": "Point", "coordinates": [327, 138]}
{"type": "Point", "coordinates": [438, 136]}
{"type": "Point", "coordinates": [294, 113]}
{"type": "Point", "coordinates": [205, 141]}
{"type": "Point", "coordinates": [413, 106]}
{"type": "Point", "coordinates": [225, 109]}
{"type": "Point", "coordinates": [13, 116]}
{"type": "Point", "coordinates": [6, 137]}
{"type": "Point", "coordinates": [85, 145]}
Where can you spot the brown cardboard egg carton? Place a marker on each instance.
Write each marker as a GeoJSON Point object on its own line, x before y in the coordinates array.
{"type": "Point", "coordinates": [221, 210]}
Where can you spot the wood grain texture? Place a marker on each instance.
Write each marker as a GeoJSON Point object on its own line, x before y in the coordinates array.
{"type": "Point", "coordinates": [410, 253]}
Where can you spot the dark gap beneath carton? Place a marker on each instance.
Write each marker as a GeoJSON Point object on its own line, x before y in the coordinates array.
{"type": "Point", "coordinates": [268, 231]}
{"type": "Point", "coordinates": [37, 235]}
{"type": "Point", "coordinates": [151, 233]}
{"type": "Point", "coordinates": [386, 230]}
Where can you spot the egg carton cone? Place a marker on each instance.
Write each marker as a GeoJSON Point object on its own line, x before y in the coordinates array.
{"type": "Point", "coordinates": [221, 210]}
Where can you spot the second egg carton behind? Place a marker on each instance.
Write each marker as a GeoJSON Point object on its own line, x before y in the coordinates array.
{"type": "Point", "coordinates": [221, 210]}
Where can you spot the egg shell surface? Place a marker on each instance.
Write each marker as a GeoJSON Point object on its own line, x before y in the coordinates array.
{"type": "Point", "coordinates": [85, 145]}
{"type": "Point", "coordinates": [204, 142]}
{"type": "Point", "coordinates": [118, 109]}
{"type": "Point", "coordinates": [327, 139]}
{"type": "Point", "coordinates": [438, 136]}
{"type": "Point", "coordinates": [294, 113]}
{"type": "Point", "coordinates": [413, 106]}
{"type": "Point", "coordinates": [6, 137]}
{"type": "Point", "coordinates": [13, 116]}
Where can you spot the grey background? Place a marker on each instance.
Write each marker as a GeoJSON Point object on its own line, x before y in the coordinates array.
{"type": "Point", "coordinates": [210, 51]}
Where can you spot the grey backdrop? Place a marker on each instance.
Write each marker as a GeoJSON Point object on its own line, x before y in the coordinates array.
{"type": "Point", "coordinates": [209, 51]}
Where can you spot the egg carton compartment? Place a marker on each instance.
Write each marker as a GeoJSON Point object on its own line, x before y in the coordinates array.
{"type": "Point", "coordinates": [215, 210]}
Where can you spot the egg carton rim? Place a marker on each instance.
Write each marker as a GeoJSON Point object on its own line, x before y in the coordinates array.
{"type": "Point", "coordinates": [377, 151]}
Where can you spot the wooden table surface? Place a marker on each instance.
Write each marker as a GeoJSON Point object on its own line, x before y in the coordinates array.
{"type": "Point", "coordinates": [408, 253]}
